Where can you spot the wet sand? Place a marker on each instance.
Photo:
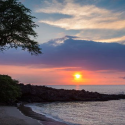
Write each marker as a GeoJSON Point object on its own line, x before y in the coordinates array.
{"type": "Point", "coordinates": [42, 118]}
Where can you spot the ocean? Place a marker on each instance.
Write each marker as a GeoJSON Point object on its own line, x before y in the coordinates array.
{"type": "Point", "coordinates": [86, 113]}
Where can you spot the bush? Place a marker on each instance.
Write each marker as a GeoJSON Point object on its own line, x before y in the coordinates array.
{"type": "Point", "coordinates": [9, 89]}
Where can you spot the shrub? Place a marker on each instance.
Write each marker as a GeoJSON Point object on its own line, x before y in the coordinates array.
{"type": "Point", "coordinates": [9, 89]}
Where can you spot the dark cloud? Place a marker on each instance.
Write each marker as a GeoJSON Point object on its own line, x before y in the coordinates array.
{"type": "Point", "coordinates": [67, 52]}
{"type": "Point", "coordinates": [122, 77]}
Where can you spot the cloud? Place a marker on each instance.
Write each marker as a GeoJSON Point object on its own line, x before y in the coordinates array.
{"type": "Point", "coordinates": [116, 39]}
{"type": "Point", "coordinates": [102, 35]}
{"type": "Point", "coordinates": [122, 77]}
{"type": "Point", "coordinates": [87, 55]}
{"type": "Point", "coordinates": [84, 16]}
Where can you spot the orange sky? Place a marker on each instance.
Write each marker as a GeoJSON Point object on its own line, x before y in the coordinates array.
{"type": "Point", "coordinates": [61, 76]}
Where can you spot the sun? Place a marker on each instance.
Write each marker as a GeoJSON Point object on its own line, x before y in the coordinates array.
{"type": "Point", "coordinates": [78, 76]}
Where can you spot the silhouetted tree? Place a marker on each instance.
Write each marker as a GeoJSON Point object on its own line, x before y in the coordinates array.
{"type": "Point", "coordinates": [9, 89]}
{"type": "Point", "coordinates": [17, 27]}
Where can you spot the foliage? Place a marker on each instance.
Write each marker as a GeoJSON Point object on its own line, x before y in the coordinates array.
{"type": "Point", "coordinates": [17, 27]}
{"type": "Point", "coordinates": [9, 89]}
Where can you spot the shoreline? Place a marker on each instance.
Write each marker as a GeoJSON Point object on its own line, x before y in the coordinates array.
{"type": "Point", "coordinates": [27, 111]}
{"type": "Point", "coordinates": [22, 115]}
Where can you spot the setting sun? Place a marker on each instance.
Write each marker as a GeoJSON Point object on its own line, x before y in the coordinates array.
{"type": "Point", "coordinates": [77, 76]}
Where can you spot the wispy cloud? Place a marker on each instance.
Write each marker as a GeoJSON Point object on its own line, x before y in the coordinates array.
{"type": "Point", "coordinates": [116, 39]}
{"type": "Point", "coordinates": [102, 35]}
{"type": "Point", "coordinates": [82, 16]}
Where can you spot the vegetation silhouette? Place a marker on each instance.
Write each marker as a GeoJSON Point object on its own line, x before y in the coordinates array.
{"type": "Point", "coordinates": [16, 30]}
{"type": "Point", "coordinates": [9, 89]}
{"type": "Point", "coordinates": [17, 27]}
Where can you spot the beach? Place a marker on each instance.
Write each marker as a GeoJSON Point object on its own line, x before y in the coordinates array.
{"type": "Point", "coordinates": [10, 115]}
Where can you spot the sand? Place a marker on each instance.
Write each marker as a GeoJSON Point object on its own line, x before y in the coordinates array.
{"type": "Point", "coordinates": [12, 116]}
{"type": "Point", "coordinates": [24, 116]}
{"type": "Point", "coordinates": [42, 118]}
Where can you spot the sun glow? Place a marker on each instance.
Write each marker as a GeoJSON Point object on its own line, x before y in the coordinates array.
{"type": "Point", "coordinates": [77, 76]}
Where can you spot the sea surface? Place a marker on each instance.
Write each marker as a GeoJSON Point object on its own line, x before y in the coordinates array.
{"type": "Point", "coordinates": [86, 113]}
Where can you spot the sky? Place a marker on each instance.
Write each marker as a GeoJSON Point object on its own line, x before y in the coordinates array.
{"type": "Point", "coordinates": [85, 37]}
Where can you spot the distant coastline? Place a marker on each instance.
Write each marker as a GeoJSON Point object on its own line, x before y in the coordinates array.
{"type": "Point", "coordinates": [103, 89]}
{"type": "Point", "coordinates": [36, 94]}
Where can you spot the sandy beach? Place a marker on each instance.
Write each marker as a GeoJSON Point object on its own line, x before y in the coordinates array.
{"type": "Point", "coordinates": [42, 118]}
{"type": "Point", "coordinates": [13, 116]}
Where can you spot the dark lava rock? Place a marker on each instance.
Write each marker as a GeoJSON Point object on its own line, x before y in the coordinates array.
{"type": "Point", "coordinates": [34, 93]}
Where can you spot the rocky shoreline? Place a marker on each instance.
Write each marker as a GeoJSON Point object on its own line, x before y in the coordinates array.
{"type": "Point", "coordinates": [34, 93]}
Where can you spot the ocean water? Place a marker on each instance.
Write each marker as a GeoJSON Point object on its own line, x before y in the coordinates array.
{"type": "Point", "coordinates": [105, 89]}
{"type": "Point", "coordinates": [86, 113]}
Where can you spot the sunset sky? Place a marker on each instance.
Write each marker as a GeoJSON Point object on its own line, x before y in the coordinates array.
{"type": "Point", "coordinates": [77, 37]}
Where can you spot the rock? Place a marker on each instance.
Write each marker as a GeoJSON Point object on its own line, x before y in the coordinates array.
{"type": "Point", "coordinates": [34, 93]}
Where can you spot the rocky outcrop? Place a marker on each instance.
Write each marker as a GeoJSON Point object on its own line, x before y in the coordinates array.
{"type": "Point", "coordinates": [33, 93]}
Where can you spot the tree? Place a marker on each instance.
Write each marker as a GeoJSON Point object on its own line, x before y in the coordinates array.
{"type": "Point", "coordinates": [9, 89]}
{"type": "Point", "coordinates": [17, 27]}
